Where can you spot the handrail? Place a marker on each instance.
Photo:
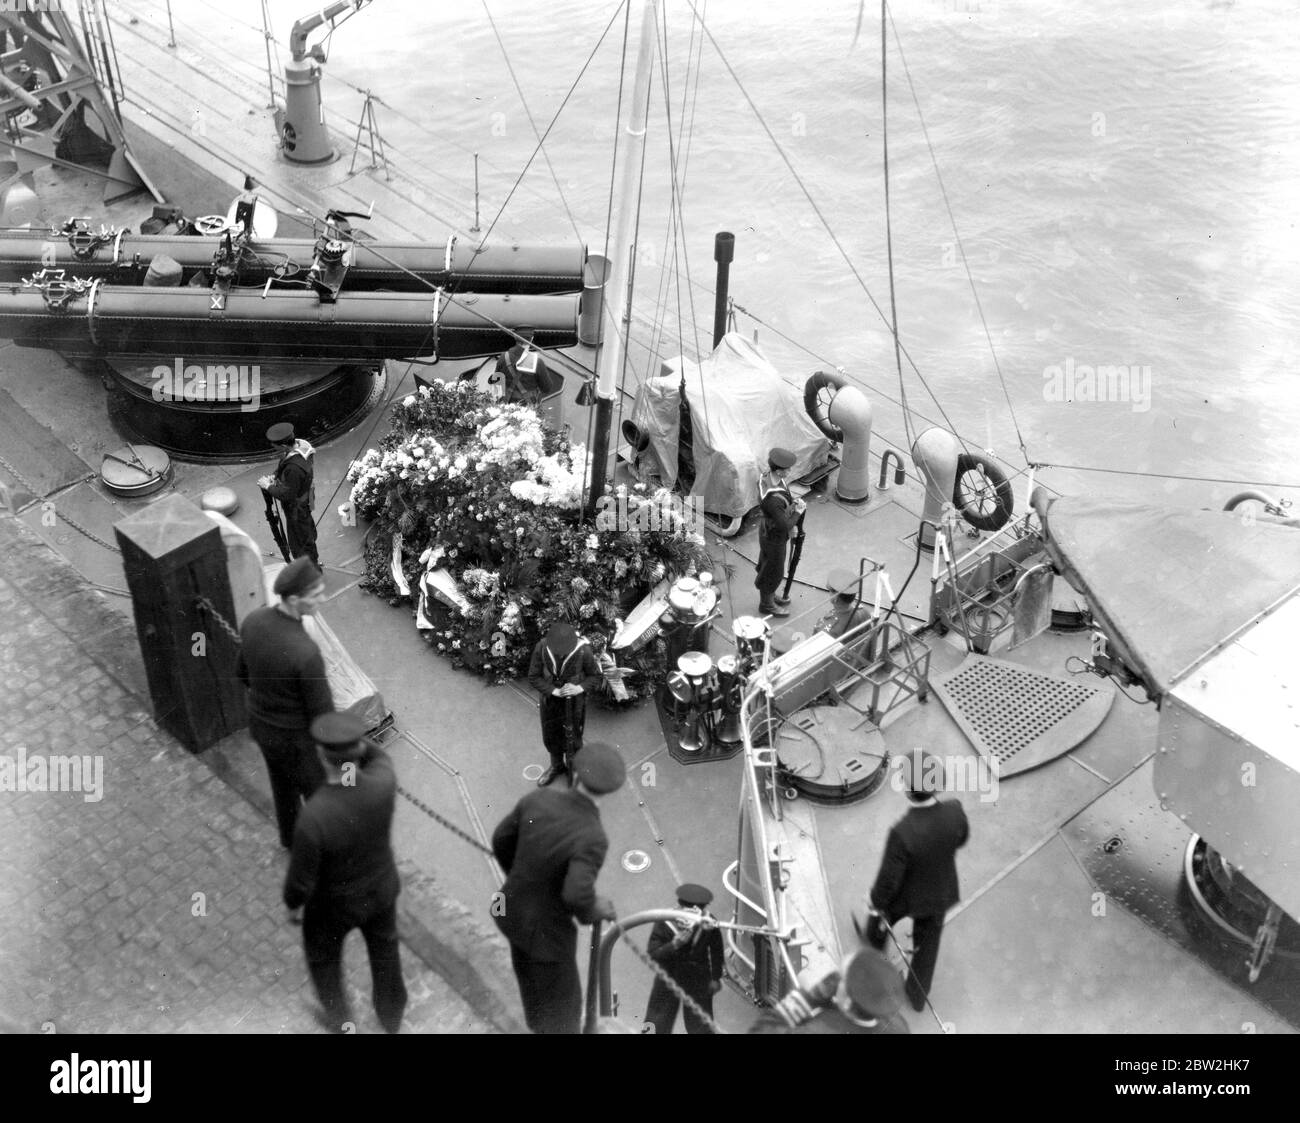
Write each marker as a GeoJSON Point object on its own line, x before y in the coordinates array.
{"type": "Point", "coordinates": [611, 936]}
{"type": "Point", "coordinates": [735, 892]}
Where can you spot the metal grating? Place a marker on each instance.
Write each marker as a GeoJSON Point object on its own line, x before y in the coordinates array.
{"type": "Point", "coordinates": [1018, 717]}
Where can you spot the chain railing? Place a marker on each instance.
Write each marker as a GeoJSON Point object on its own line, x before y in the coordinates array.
{"type": "Point", "coordinates": [63, 517]}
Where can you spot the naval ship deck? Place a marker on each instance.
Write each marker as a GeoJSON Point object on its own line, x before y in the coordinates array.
{"type": "Point", "coordinates": [1031, 947]}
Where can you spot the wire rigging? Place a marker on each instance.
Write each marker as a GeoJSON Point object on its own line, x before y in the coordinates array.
{"type": "Point", "coordinates": [961, 248]}
{"type": "Point", "coordinates": [542, 139]}
{"type": "Point", "coordinates": [532, 123]}
{"type": "Point", "coordinates": [857, 276]}
{"type": "Point", "coordinates": [889, 226]}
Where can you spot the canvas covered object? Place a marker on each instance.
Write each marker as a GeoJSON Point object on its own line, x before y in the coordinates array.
{"type": "Point", "coordinates": [740, 407]}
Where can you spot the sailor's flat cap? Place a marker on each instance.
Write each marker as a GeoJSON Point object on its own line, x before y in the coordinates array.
{"type": "Point", "coordinates": [600, 768]}
{"type": "Point", "coordinates": [296, 578]}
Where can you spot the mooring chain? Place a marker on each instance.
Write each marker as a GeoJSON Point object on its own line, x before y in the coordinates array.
{"type": "Point", "coordinates": [62, 516]}
{"type": "Point", "coordinates": [222, 623]}
{"type": "Point", "coordinates": [670, 983]}
{"type": "Point", "coordinates": [668, 980]}
{"type": "Point", "coordinates": [474, 842]}
{"type": "Point", "coordinates": [207, 606]}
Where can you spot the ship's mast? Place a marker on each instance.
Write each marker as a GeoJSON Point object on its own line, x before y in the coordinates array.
{"type": "Point", "coordinates": [609, 362]}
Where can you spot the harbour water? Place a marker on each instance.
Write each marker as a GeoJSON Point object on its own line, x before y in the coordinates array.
{"type": "Point", "coordinates": [1123, 183]}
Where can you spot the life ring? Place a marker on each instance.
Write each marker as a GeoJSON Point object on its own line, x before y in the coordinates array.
{"type": "Point", "coordinates": [818, 394]}
{"type": "Point", "coordinates": [991, 488]}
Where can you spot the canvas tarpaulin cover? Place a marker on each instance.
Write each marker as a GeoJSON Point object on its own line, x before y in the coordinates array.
{"type": "Point", "coordinates": [1171, 584]}
{"type": "Point", "coordinates": [740, 408]}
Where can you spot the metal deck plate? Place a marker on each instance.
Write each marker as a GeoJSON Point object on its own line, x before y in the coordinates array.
{"type": "Point", "coordinates": [832, 754]}
{"type": "Point", "coordinates": [1133, 852]}
{"type": "Point", "coordinates": [1017, 717]}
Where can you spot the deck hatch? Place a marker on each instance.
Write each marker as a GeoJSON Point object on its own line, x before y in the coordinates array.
{"type": "Point", "coordinates": [1019, 717]}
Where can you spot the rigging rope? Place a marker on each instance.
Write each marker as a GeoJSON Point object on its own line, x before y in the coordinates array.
{"type": "Point", "coordinates": [542, 139]}
{"type": "Point", "coordinates": [889, 230]}
{"type": "Point", "coordinates": [679, 225]}
{"type": "Point", "coordinates": [532, 123]}
{"type": "Point", "coordinates": [979, 307]}
{"type": "Point", "coordinates": [857, 276]}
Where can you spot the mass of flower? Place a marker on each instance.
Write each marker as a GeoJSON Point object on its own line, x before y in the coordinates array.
{"type": "Point", "coordinates": [490, 496]}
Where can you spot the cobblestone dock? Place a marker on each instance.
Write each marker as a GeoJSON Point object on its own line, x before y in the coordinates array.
{"type": "Point", "coordinates": [148, 901]}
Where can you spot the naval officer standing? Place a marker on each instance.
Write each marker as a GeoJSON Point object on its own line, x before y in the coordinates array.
{"type": "Point", "coordinates": [918, 873]}
{"type": "Point", "coordinates": [781, 511]}
{"type": "Point", "coordinates": [552, 846]}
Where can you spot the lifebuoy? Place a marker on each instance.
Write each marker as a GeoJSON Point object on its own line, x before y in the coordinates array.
{"type": "Point", "coordinates": [972, 502]}
{"type": "Point", "coordinates": [818, 393]}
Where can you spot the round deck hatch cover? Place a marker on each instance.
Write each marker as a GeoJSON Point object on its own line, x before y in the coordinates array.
{"type": "Point", "coordinates": [135, 470]}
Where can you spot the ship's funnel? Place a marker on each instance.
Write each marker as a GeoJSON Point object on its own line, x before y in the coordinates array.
{"type": "Point", "coordinates": [934, 452]}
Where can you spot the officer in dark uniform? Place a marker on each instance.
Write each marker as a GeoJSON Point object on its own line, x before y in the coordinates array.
{"type": "Point", "coordinates": [342, 869]}
{"type": "Point", "coordinates": [692, 955]}
{"type": "Point", "coordinates": [918, 873]}
{"type": "Point", "coordinates": [781, 511]}
{"type": "Point", "coordinates": [293, 485]}
{"type": "Point", "coordinates": [563, 670]}
{"type": "Point", "coordinates": [552, 847]}
{"type": "Point", "coordinates": [862, 997]}
{"type": "Point", "coordinates": [285, 675]}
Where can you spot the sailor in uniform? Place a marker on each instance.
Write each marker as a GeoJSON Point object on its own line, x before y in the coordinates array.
{"type": "Point", "coordinates": [293, 484]}
{"type": "Point", "coordinates": [342, 869]}
{"type": "Point", "coordinates": [563, 670]}
{"type": "Point", "coordinates": [864, 996]}
{"type": "Point", "coordinates": [287, 689]}
{"type": "Point", "coordinates": [692, 955]}
{"type": "Point", "coordinates": [781, 511]}
{"type": "Point", "coordinates": [551, 847]}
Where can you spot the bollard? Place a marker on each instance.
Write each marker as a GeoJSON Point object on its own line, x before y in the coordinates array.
{"type": "Point", "coordinates": [173, 554]}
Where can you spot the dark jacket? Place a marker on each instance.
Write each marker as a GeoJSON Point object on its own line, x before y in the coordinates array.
{"type": "Point", "coordinates": [552, 847]}
{"type": "Point", "coordinates": [694, 966]}
{"type": "Point", "coordinates": [549, 668]}
{"type": "Point", "coordinates": [342, 855]}
{"type": "Point", "coordinates": [779, 515]}
{"type": "Point", "coordinates": [292, 483]}
{"type": "Point", "coordinates": [918, 874]}
{"type": "Point", "coordinates": [283, 670]}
